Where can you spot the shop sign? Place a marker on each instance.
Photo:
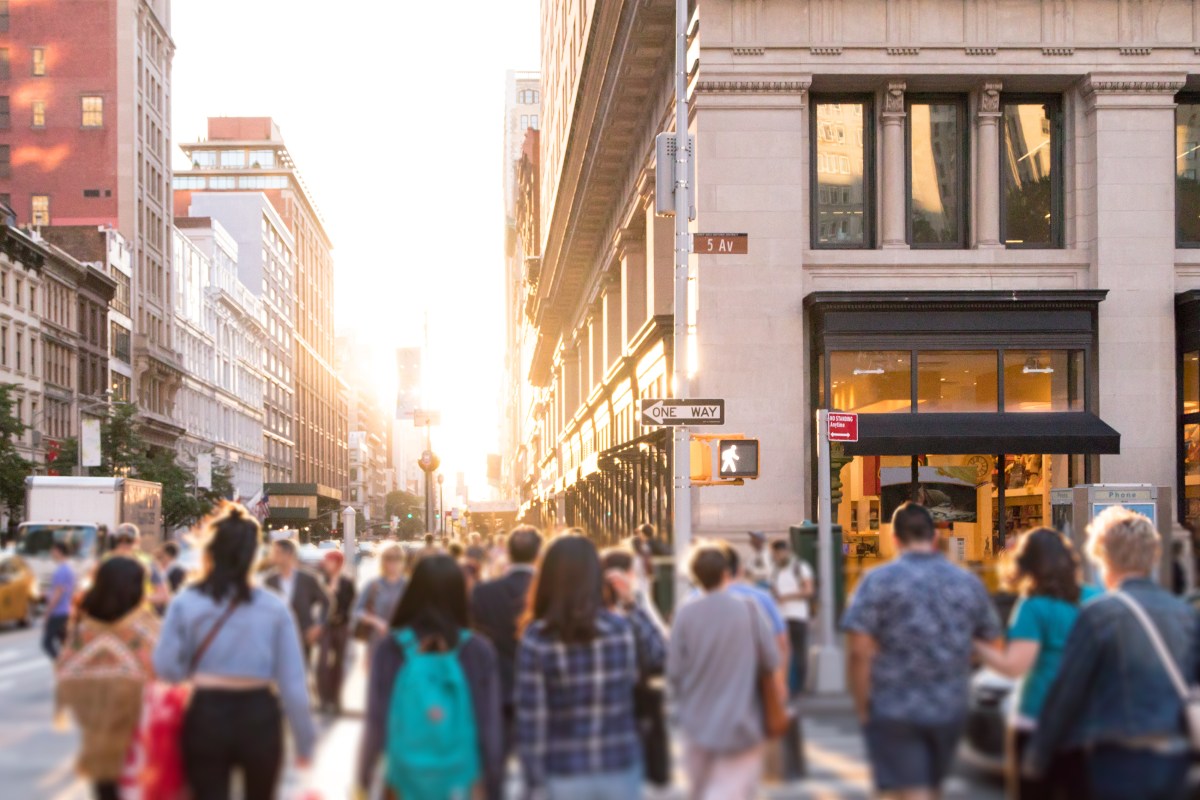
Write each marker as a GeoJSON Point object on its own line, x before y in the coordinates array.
{"type": "Point", "coordinates": [843, 427]}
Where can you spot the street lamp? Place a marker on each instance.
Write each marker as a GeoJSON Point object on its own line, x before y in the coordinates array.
{"type": "Point", "coordinates": [442, 502]}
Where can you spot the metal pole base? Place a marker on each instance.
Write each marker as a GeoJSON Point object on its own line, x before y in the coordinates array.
{"type": "Point", "coordinates": [829, 663]}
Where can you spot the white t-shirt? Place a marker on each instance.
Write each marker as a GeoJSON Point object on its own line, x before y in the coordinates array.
{"type": "Point", "coordinates": [786, 580]}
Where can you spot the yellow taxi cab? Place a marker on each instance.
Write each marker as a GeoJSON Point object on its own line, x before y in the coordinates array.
{"type": "Point", "coordinates": [18, 591]}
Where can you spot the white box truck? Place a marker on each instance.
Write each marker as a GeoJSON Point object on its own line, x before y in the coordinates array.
{"type": "Point", "coordinates": [70, 510]}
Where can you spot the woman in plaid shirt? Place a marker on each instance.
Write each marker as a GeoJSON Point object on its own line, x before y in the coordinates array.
{"type": "Point", "coordinates": [577, 664]}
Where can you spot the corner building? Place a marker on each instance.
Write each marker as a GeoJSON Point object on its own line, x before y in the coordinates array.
{"type": "Point", "coordinates": [975, 224]}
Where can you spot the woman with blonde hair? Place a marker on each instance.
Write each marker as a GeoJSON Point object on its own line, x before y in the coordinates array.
{"type": "Point", "coordinates": [1128, 660]}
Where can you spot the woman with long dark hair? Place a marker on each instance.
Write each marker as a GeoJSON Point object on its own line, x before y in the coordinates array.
{"type": "Point", "coordinates": [432, 619]}
{"type": "Point", "coordinates": [1044, 571]}
{"type": "Point", "coordinates": [577, 665]}
{"type": "Point", "coordinates": [238, 646]}
{"type": "Point", "coordinates": [115, 627]}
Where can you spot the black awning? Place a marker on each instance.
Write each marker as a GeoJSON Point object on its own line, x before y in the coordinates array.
{"type": "Point", "coordinates": [951, 434]}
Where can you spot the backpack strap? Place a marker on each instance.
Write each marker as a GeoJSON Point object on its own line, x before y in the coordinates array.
{"type": "Point", "coordinates": [407, 639]}
{"type": "Point", "coordinates": [1156, 640]}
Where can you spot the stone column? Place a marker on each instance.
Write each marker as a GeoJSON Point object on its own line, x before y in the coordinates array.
{"type": "Point", "coordinates": [894, 158]}
{"type": "Point", "coordinates": [1131, 118]}
{"type": "Point", "coordinates": [987, 178]}
{"type": "Point", "coordinates": [614, 341]}
{"type": "Point", "coordinates": [660, 263]}
{"type": "Point", "coordinates": [631, 250]}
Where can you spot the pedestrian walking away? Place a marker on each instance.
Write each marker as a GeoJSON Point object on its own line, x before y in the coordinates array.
{"type": "Point", "coordinates": [431, 662]}
{"type": "Point", "coordinates": [912, 623]}
{"type": "Point", "coordinates": [104, 666]}
{"type": "Point", "coordinates": [58, 602]}
{"type": "Point", "coordinates": [577, 665]}
{"type": "Point", "coordinates": [379, 598]}
{"type": "Point", "coordinates": [721, 643]}
{"type": "Point", "coordinates": [1044, 570]}
{"type": "Point", "coordinates": [238, 646]}
{"type": "Point", "coordinates": [758, 566]}
{"type": "Point", "coordinates": [741, 585]}
{"type": "Point", "coordinates": [497, 607]}
{"type": "Point", "coordinates": [331, 649]}
{"type": "Point", "coordinates": [1115, 694]}
{"type": "Point", "coordinates": [303, 592]}
{"type": "Point", "coordinates": [792, 588]}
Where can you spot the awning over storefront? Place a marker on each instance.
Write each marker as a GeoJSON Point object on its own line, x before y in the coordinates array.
{"type": "Point", "coordinates": [1068, 433]}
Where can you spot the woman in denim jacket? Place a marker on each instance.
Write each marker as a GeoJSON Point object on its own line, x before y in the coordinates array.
{"type": "Point", "coordinates": [1113, 697]}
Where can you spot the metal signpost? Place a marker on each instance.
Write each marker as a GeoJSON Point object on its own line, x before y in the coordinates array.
{"type": "Point", "coordinates": [682, 530]}
{"type": "Point", "coordinates": [831, 661]}
{"type": "Point", "coordinates": [349, 545]}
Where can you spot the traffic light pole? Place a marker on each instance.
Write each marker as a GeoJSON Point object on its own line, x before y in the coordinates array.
{"type": "Point", "coordinates": [831, 661]}
{"type": "Point", "coordinates": [682, 530]}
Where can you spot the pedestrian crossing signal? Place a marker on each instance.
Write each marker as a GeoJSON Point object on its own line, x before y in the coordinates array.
{"type": "Point", "coordinates": [737, 458]}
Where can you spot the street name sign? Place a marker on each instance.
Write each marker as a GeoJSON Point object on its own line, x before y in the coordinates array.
{"type": "Point", "coordinates": [679, 411]}
{"type": "Point", "coordinates": [843, 427]}
{"type": "Point", "coordinates": [424, 417]}
{"type": "Point", "coordinates": [721, 244]}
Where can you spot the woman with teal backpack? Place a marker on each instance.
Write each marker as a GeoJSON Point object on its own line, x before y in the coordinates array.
{"type": "Point", "coordinates": [433, 700]}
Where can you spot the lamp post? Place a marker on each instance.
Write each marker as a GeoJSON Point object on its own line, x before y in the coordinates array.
{"type": "Point", "coordinates": [442, 504]}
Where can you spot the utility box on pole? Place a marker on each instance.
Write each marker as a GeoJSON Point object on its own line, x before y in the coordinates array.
{"type": "Point", "coordinates": [664, 175]}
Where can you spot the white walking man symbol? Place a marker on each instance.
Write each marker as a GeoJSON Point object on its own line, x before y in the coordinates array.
{"type": "Point", "coordinates": [729, 459]}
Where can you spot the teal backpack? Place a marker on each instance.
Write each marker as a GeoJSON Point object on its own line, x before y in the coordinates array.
{"type": "Point", "coordinates": [432, 749]}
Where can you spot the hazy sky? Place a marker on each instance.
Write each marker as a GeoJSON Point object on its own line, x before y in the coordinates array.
{"type": "Point", "coordinates": [393, 113]}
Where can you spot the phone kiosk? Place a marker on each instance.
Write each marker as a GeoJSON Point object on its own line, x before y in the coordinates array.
{"type": "Point", "coordinates": [1072, 510]}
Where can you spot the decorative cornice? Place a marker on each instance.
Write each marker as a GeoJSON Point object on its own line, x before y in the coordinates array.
{"type": "Point", "coordinates": [1156, 85]}
{"type": "Point", "coordinates": [753, 87]}
{"type": "Point", "coordinates": [1058, 51]}
{"type": "Point", "coordinates": [825, 51]}
{"type": "Point", "coordinates": [1136, 51]}
{"type": "Point", "coordinates": [904, 51]}
{"type": "Point", "coordinates": [749, 51]}
{"type": "Point", "coordinates": [980, 51]}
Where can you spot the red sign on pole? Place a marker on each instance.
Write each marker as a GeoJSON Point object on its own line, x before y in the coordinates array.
{"type": "Point", "coordinates": [843, 427]}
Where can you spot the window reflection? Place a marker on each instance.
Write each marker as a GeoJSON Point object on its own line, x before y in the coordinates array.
{"type": "Point", "coordinates": [935, 188]}
{"type": "Point", "coordinates": [870, 382]}
{"type": "Point", "coordinates": [954, 380]}
{"type": "Point", "coordinates": [1191, 382]}
{"type": "Point", "coordinates": [839, 169]}
{"type": "Point", "coordinates": [1030, 179]}
{"type": "Point", "coordinates": [1043, 380]}
{"type": "Point", "coordinates": [1187, 183]}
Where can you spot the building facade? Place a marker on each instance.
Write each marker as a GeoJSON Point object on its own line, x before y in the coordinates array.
{"type": "Point", "coordinates": [87, 104]}
{"type": "Point", "coordinates": [265, 253]}
{"type": "Point", "coordinates": [972, 223]}
{"type": "Point", "coordinates": [248, 153]}
{"type": "Point", "coordinates": [22, 259]}
{"type": "Point", "coordinates": [221, 341]}
{"type": "Point", "coordinates": [522, 109]}
{"type": "Point", "coordinates": [371, 431]}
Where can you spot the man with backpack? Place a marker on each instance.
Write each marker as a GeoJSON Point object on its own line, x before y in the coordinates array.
{"type": "Point", "coordinates": [792, 587]}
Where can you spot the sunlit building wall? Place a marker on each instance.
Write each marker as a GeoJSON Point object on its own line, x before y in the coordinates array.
{"type": "Point", "coordinates": [220, 338]}
{"type": "Point", "coordinates": [248, 153]}
{"type": "Point", "coordinates": [952, 208]}
{"type": "Point", "coordinates": [85, 139]}
{"type": "Point", "coordinates": [370, 425]}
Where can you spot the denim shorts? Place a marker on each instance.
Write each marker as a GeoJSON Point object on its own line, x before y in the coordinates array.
{"type": "Point", "coordinates": [909, 755]}
{"type": "Point", "coordinates": [623, 785]}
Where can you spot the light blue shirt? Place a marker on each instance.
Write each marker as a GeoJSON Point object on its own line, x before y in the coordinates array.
{"type": "Point", "coordinates": [258, 641]}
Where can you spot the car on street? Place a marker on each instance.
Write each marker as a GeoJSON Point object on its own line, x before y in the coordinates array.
{"type": "Point", "coordinates": [18, 591]}
{"type": "Point", "coordinates": [310, 555]}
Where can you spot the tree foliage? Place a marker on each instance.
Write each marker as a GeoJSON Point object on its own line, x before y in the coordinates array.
{"type": "Point", "coordinates": [409, 508]}
{"type": "Point", "coordinates": [13, 467]}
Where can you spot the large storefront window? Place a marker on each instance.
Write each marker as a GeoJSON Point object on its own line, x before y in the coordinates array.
{"type": "Point", "coordinates": [841, 172]}
{"type": "Point", "coordinates": [975, 404]}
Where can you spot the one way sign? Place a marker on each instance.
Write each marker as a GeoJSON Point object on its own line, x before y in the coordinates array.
{"type": "Point", "coordinates": [675, 411]}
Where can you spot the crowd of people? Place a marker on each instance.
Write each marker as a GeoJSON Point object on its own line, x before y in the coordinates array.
{"type": "Point", "coordinates": [549, 653]}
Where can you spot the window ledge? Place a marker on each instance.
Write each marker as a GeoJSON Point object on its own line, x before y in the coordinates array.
{"type": "Point", "coordinates": [998, 257]}
{"type": "Point", "coordinates": [1187, 257]}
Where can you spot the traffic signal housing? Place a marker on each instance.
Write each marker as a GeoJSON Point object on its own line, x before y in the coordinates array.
{"type": "Point", "coordinates": [737, 458]}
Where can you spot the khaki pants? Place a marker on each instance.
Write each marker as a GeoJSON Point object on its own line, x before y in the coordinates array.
{"type": "Point", "coordinates": [723, 776]}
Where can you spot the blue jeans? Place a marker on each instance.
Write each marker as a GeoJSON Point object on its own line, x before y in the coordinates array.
{"type": "Point", "coordinates": [625, 785]}
{"type": "Point", "coordinates": [1121, 773]}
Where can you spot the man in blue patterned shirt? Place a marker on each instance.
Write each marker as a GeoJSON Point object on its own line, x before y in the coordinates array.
{"type": "Point", "coordinates": [911, 625]}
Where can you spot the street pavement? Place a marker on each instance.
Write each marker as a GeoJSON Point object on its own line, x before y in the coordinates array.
{"type": "Point", "coordinates": [36, 760]}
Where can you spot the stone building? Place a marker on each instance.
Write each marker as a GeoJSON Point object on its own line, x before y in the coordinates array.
{"type": "Point", "coordinates": [221, 340]}
{"type": "Point", "coordinates": [973, 223]}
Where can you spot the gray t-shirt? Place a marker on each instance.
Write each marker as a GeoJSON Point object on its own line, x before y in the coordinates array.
{"type": "Point", "coordinates": [924, 613]}
{"type": "Point", "coordinates": [719, 644]}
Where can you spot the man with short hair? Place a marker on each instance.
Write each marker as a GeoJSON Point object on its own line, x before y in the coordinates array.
{"type": "Point", "coordinates": [720, 644]}
{"type": "Point", "coordinates": [58, 604]}
{"type": "Point", "coordinates": [792, 588]}
{"type": "Point", "coordinates": [911, 626]}
{"type": "Point", "coordinates": [302, 590]}
{"type": "Point", "coordinates": [497, 606]}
